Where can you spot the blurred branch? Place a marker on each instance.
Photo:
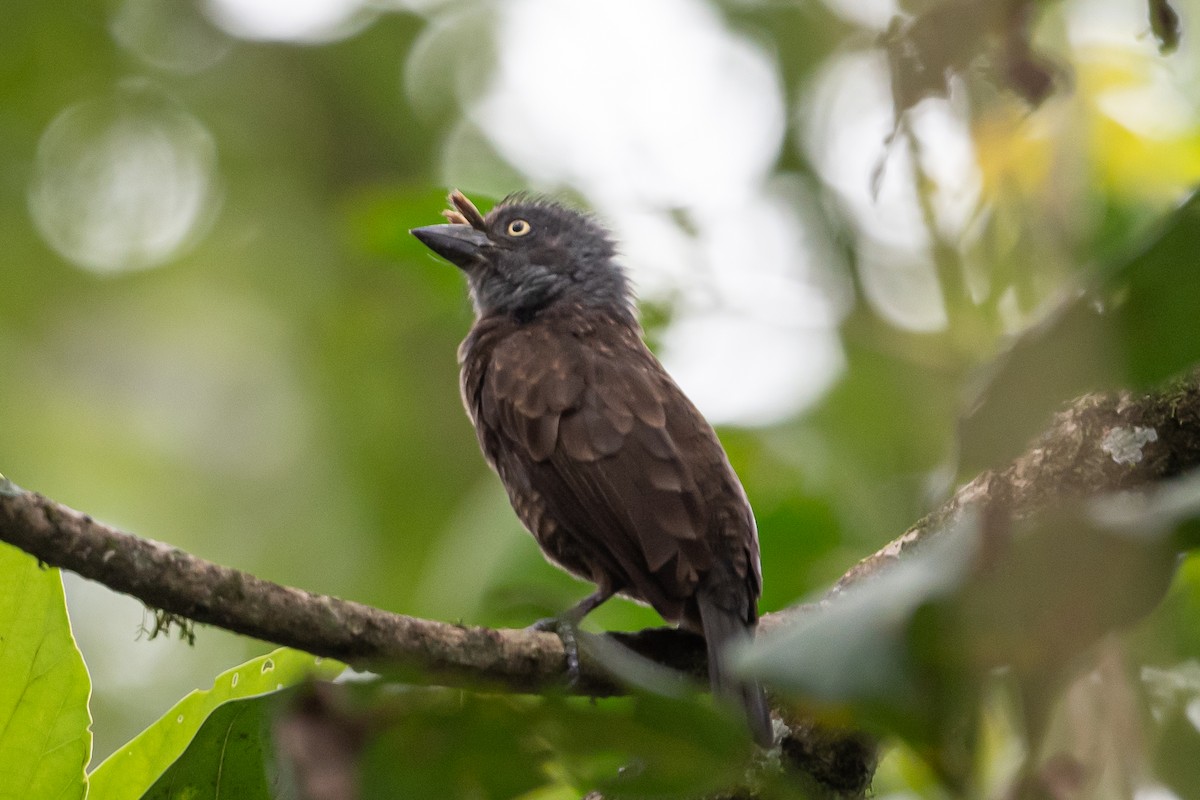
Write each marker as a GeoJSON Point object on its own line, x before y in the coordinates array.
{"type": "Point", "coordinates": [925, 50]}
{"type": "Point", "coordinates": [1164, 22]}
{"type": "Point", "coordinates": [1099, 443]}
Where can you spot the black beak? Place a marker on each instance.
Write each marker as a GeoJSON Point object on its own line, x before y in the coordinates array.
{"type": "Point", "coordinates": [458, 244]}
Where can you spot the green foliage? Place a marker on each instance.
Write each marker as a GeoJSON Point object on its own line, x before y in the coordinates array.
{"type": "Point", "coordinates": [198, 732]}
{"type": "Point", "coordinates": [861, 652]}
{"type": "Point", "coordinates": [436, 743]}
{"type": "Point", "coordinates": [439, 743]}
{"type": "Point", "coordinates": [1126, 331]}
{"type": "Point", "coordinates": [45, 741]}
{"type": "Point", "coordinates": [279, 392]}
{"type": "Point", "coordinates": [1176, 737]}
{"type": "Point", "coordinates": [227, 757]}
{"type": "Point", "coordinates": [915, 651]}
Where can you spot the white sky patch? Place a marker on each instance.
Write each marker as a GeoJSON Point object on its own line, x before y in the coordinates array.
{"type": "Point", "coordinates": [291, 20]}
{"type": "Point", "coordinates": [671, 111]}
{"type": "Point", "coordinates": [1108, 21]}
{"type": "Point", "coordinates": [1161, 106]}
{"type": "Point", "coordinates": [675, 117]}
{"type": "Point", "coordinates": [1156, 109]}
{"type": "Point", "coordinates": [902, 288]}
{"type": "Point", "coordinates": [745, 370]}
{"type": "Point", "coordinates": [848, 118]}
{"type": "Point", "coordinates": [1154, 792]}
{"type": "Point", "coordinates": [752, 340]}
{"type": "Point", "coordinates": [868, 13]}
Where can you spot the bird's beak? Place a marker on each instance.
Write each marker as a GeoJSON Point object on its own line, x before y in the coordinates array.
{"type": "Point", "coordinates": [458, 244]}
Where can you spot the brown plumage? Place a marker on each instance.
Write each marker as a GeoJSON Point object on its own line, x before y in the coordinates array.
{"type": "Point", "coordinates": [608, 464]}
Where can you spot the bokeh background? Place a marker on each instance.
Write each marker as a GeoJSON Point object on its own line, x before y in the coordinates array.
{"type": "Point", "coordinates": [216, 331]}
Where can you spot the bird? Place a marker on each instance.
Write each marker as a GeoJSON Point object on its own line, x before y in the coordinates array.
{"type": "Point", "coordinates": [608, 464]}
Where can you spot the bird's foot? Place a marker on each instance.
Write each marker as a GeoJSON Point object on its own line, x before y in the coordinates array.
{"type": "Point", "coordinates": [567, 631]}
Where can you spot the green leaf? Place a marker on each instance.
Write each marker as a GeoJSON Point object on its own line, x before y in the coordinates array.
{"type": "Point", "coordinates": [229, 756]}
{"type": "Point", "coordinates": [439, 743]}
{"type": "Point", "coordinates": [130, 771]}
{"type": "Point", "coordinates": [650, 746]}
{"type": "Point", "coordinates": [45, 740]}
{"type": "Point", "coordinates": [439, 747]}
{"type": "Point", "coordinates": [1135, 326]}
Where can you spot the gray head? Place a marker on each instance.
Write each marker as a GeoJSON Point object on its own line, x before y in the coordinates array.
{"type": "Point", "coordinates": [529, 254]}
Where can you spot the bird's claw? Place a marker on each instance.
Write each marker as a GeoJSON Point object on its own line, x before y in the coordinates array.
{"type": "Point", "coordinates": [567, 631]}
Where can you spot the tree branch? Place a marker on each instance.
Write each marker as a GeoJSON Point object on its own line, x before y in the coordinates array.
{"type": "Point", "coordinates": [180, 584]}
{"type": "Point", "coordinates": [1100, 443]}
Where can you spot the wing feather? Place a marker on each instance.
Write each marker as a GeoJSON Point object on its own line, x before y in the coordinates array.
{"type": "Point", "coordinates": [581, 420]}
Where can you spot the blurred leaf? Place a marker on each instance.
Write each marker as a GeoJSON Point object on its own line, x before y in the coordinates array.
{"type": "Point", "coordinates": [1136, 327]}
{"type": "Point", "coordinates": [1064, 357]}
{"type": "Point", "coordinates": [183, 738]}
{"type": "Point", "coordinates": [1175, 760]}
{"type": "Point", "coordinates": [662, 746]}
{"type": "Point", "coordinates": [798, 526]}
{"type": "Point", "coordinates": [922, 52]}
{"type": "Point", "coordinates": [901, 770]}
{"type": "Point", "coordinates": [1049, 596]}
{"type": "Point", "coordinates": [449, 744]}
{"type": "Point", "coordinates": [909, 648]}
{"type": "Point", "coordinates": [1174, 630]}
{"type": "Point", "coordinates": [857, 651]}
{"type": "Point", "coordinates": [1164, 21]}
{"type": "Point", "coordinates": [945, 38]}
{"type": "Point", "coordinates": [439, 747]}
{"type": "Point", "coordinates": [45, 742]}
{"type": "Point", "coordinates": [892, 412]}
{"type": "Point", "coordinates": [1154, 301]}
{"type": "Point", "coordinates": [1174, 699]}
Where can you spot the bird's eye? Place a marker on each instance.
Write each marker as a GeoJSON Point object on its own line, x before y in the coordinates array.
{"type": "Point", "coordinates": [518, 227]}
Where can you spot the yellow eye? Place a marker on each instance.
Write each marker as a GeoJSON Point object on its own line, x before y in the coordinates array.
{"type": "Point", "coordinates": [518, 227]}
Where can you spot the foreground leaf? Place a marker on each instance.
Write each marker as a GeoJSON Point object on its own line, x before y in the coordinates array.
{"type": "Point", "coordinates": [443, 745]}
{"type": "Point", "coordinates": [857, 653]}
{"type": "Point", "coordinates": [132, 770]}
{"type": "Point", "coordinates": [45, 740]}
{"type": "Point", "coordinates": [910, 650]}
{"type": "Point", "coordinates": [230, 756]}
{"type": "Point", "coordinates": [380, 740]}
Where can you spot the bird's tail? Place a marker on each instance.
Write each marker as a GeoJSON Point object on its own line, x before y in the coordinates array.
{"type": "Point", "coordinates": [722, 628]}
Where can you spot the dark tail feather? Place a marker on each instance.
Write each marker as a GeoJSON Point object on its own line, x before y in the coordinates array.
{"type": "Point", "coordinates": [721, 628]}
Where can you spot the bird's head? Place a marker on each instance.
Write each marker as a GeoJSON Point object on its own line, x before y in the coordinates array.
{"type": "Point", "coordinates": [528, 254]}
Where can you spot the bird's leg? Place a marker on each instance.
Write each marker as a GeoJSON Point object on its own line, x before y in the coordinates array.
{"type": "Point", "coordinates": [566, 627]}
